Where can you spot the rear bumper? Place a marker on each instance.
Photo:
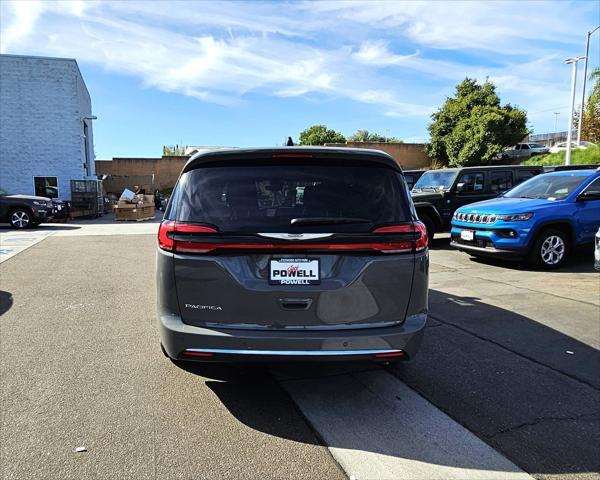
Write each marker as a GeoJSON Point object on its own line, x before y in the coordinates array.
{"type": "Point", "coordinates": [229, 345]}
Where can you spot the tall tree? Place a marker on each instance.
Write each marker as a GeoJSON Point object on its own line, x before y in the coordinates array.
{"type": "Point", "coordinates": [590, 130]}
{"type": "Point", "coordinates": [472, 128]}
{"type": "Point", "coordinates": [319, 135]}
{"type": "Point", "coordinates": [366, 136]}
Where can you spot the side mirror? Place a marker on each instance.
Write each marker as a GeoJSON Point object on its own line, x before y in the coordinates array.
{"type": "Point", "coordinates": [586, 196]}
{"type": "Point", "coordinates": [460, 187]}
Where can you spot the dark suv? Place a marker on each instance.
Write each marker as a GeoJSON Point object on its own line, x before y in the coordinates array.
{"type": "Point", "coordinates": [438, 193]}
{"type": "Point", "coordinates": [23, 211]}
{"type": "Point", "coordinates": [291, 254]}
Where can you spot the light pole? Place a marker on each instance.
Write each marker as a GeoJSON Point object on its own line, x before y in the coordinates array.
{"type": "Point", "coordinates": [556, 114]}
{"type": "Point", "coordinates": [587, 53]}
{"type": "Point", "coordinates": [573, 62]}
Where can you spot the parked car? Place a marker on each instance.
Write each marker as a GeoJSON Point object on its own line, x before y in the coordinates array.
{"type": "Point", "coordinates": [248, 270]}
{"type": "Point", "coordinates": [541, 220]}
{"type": "Point", "coordinates": [438, 193]}
{"type": "Point", "coordinates": [411, 177]}
{"type": "Point", "coordinates": [597, 251]}
{"type": "Point", "coordinates": [559, 147]}
{"type": "Point", "coordinates": [524, 150]}
{"type": "Point", "coordinates": [23, 211]}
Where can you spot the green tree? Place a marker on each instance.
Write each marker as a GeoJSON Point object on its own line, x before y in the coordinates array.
{"type": "Point", "coordinates": [472, 128]}
{"type": "Point", "coordinates": [366, 136]}
{"type": "Point", "coordinates": [319, 135]}
{"type": "Point", "coordinates": [174, 150]}
{"type": "Point", "coordinates": [590, 130]}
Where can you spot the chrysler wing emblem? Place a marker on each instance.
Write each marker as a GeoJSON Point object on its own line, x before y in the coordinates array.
{"type": "Point", "coordinates": [296, 236]}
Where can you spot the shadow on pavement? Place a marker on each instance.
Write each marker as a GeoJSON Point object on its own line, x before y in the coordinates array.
{"type": "Point", "coordinates": [513, 382]}
{"type": "Point", "coordinates": [6, 302]}
{"type": "Point", "coordinates": [507, 378]}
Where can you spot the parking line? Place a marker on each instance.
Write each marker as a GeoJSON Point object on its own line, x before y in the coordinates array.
{"type": "Point", "coordinates": [376, 427]}
{"type": "Point", "coordinates": [14, 242]}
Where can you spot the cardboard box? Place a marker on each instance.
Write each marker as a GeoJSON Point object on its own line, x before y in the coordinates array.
{"type": "Point", "coordinates": [134, 212]}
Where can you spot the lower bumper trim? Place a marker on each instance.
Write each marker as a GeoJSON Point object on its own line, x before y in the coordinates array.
{"type": "Point", "coordinates": [291, 353]}
{"type": "Point", "coordinates": [462, 246]}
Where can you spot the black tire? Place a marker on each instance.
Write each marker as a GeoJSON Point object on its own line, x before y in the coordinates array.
{"type": "Point", "coordinates": [549, 250]}
{"type": "Point", "coordinates": [429, 225]}
{"type": "Point", "coordinates": [20, 218]}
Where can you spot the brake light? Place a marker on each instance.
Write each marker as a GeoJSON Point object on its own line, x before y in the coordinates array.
{"type": "Point", "coordinates": [419, 244]}
{"type": "Point", "coordinates": [291, 155]}
{"type": "Point", "coordinates": [168, 227]}
{"type": "Point", "coordinates": [399, 353]}
{"type": "Point", "coordinates": [164, 241]}
{"type": "Point", "coordinates": [423, 240]}
{"type": "Point", "coordinates": [192, 353]}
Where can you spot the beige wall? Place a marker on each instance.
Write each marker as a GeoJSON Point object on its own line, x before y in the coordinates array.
{"type": "Point", "coordinates": [166, 170]}
{"type": "Point", "coordinates": [410, 156]}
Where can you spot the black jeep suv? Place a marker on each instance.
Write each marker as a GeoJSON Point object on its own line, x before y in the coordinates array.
{"type": "Point", "coordinates": [23, 211]}
{"type": "Point", "coordinates": [438, 193]}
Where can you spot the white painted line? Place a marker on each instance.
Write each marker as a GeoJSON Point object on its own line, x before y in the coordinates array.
{"type": "Point", "coordinates": [13, 242]}
{"type": "Point", "coordinates": [377, 428]}
{"type": "Point", "coordinates": [118, 228]}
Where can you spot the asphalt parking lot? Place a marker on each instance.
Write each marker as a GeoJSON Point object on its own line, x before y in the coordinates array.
{"type": "Point", "coordinates": [506, 381]}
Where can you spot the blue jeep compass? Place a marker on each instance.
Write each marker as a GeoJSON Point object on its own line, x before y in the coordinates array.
{"type": "Point", "coordinates": [541, 219]}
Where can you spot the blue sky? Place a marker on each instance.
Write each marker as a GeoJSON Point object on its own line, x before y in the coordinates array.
{"type": "Point", "coordinates": [252, 73]}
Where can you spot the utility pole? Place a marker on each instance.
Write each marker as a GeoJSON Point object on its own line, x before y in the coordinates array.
{"type": "Point", "coordinates": [573, 62]}
{"type": "Point", "coordinates": [587, 53]}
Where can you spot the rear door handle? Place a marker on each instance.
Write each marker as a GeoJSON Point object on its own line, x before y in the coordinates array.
{"type": "Point", "coordinates": [295, 303]}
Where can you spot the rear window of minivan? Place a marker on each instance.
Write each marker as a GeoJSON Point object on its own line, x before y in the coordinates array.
{"type": "Point", "coordinates": [255, 197]}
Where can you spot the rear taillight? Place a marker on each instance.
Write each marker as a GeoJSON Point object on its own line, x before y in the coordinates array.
{"type": "Point", "coordinates": [168, 228]}
{"type": "Point", "coordinates": [419, 244]}
{"type": "Point", "coordinates": [164, 240]}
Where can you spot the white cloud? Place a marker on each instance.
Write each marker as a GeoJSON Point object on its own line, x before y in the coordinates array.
{"type": "Point", "coordinates": [401, 57]}
{"type": "Point", "coordinates": [20, 18]}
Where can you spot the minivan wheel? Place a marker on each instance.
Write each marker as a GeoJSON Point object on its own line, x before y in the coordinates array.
{"type": "Point", "coordinates": [549, 250]}
{"type": "Point", "coordinates": [429, 225]}
{"type": "Point", "coordinates": [20, 219]}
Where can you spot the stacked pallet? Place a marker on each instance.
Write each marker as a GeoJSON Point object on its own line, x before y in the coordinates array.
{"type": "Point", "coordinates": [139, 208]}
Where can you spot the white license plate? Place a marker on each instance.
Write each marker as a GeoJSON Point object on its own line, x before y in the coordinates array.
{"type": "Point", "coordinates": [467, 235]}
{"type": "Point", "coordinates": [294, 271]}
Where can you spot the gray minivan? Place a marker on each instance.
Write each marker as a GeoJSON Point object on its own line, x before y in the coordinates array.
{"type": "Point", "coordinates": [291, 254]}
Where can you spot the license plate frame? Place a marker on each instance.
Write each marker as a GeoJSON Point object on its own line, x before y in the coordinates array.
{"type": "Point", "coordinates": [294, 271]}
{"type": "Point", "coordinates": [467, 235]}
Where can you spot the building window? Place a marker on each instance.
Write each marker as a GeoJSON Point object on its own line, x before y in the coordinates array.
{"type": "Point", "coordinates": [46, 186]}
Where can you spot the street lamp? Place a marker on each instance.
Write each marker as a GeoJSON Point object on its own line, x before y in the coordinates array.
{"type": "Point", "coordinates": [556, 114]}
{"type": "Point", "coordinates": [587, 53]}
{"type": "Point", "coordinates": [573, 62]}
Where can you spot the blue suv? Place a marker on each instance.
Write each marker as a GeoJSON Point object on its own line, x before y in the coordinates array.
{"type": "Point", "coordinates": [540, 220]}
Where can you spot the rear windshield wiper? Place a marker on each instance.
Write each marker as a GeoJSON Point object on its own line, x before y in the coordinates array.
{"type": "Point", "coordinates": [328, 220]}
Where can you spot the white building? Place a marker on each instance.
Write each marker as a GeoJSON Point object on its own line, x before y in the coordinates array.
{"type": "Point", "coordinates": [46, 118]}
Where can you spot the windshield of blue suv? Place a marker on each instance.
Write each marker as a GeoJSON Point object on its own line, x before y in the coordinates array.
{"type": "Point", "coordinates": [550, 187]}
{"type": "Point", "coordinates": [436, 180]}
